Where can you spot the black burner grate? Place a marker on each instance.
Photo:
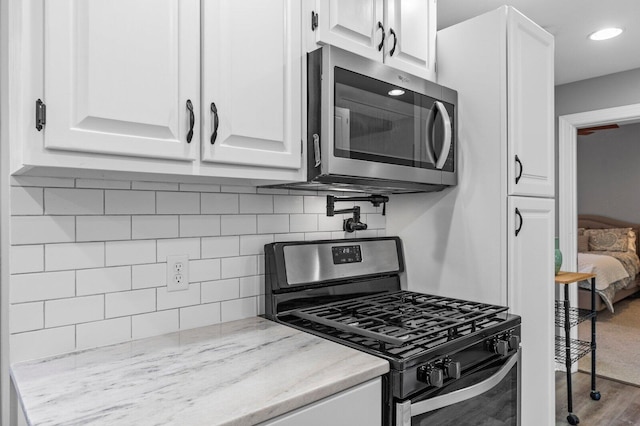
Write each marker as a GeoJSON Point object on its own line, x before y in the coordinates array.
{"type": "Point", "coordinates": [400, 323]}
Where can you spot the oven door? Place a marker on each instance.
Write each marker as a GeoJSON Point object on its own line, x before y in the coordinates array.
{"type": "Point", "coordinates": [489, 396]}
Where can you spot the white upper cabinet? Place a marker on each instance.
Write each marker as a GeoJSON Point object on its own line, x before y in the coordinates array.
{"type": "Point", "coordinates": [401, 33]}
{"type": "Point", "coordinates": [411, 43]}
{"type": "Point", "coordinates": [119, 75]}
{"type": "Point", "coordinates": [354, 25]}
{"type": "Point", "coordinates": [252, 82]}
{"type": "Point", "coordinates": [530, 108]}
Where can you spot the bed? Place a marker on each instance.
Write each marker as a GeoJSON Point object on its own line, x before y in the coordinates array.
{"type": "Point", "coordinates": [608, 249]}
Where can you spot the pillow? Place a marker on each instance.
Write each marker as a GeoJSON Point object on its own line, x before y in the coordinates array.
{"type": "Point", "coordinates": [583, 243]}
{"type": "Point", "coordinates": [632, 241]}
{"type": "Point", "coordinates": [615, 239]}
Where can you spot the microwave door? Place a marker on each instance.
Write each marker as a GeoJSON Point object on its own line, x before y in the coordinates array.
{"type": "Point", "coordinates": [341, 128]}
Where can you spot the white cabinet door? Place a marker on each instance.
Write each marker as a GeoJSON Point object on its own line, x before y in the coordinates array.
{"type": "Point", "coordinates": [252, 71]}
{"type": "Point", "coordinates": [530, 108]}
{"type": "Point", "coordinates": [411, 36]}
{"type": "Point", "coordinates": [360, 405]}
{"type": "Point", "coordinates": [354, 25]}
{"type": "Point", "coordinates": [531, 295]}
{"type": "Point", "coordinates": [119, 74]}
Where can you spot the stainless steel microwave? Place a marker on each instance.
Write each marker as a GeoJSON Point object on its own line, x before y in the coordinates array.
{"type": "Point", "coordinates": [375, 129]}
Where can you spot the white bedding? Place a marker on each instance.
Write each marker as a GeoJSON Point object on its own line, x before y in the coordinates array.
{"type": "Point", "coordinates": [607, 269]}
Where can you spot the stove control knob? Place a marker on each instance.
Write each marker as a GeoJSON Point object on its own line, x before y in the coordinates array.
{"type": "Point", "coordinates": [452, 369]}
{"type": "Point", "coordinates": [501, 347]}
{"type": "Point", "coordinates": [514, 342]}
{"type": "Point", "coordinates": [431, 375]}
{"type": "Point", "coordinates": [436, 377]}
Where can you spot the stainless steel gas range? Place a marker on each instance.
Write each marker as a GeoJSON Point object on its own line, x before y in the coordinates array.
{"type": "Point", "coordinates": [451, 361]}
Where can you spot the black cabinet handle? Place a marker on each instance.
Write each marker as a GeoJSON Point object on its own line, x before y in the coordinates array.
{"type": "Point", "coordinates": [192, 120]}
{"type": "Point", "coordinates": [395, 41]}
{"type": "Point", "coordinates": [521, 169]}
{"type": "Point", "coordinates": [382, 41]}
{"type": "Point", "coordinates": [216, 123]}
{"type": "Point", "coordinates": [521, 221]}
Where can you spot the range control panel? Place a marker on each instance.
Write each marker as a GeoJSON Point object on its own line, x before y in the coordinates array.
{"type": "Point", "coordinates": [346, 254]}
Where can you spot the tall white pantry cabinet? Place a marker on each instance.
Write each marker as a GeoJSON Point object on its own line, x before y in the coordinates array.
{"type": "Point", "coordinates": [490, 238]}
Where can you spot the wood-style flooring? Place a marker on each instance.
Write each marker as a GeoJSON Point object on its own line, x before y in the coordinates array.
{"type": "Point", "coordinates": [619, 405]}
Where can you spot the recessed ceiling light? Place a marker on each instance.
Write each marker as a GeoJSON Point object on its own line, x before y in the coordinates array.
{"type": "Point", "coordinates": [606, 34]}
{"type": "Point", "coordinates": [396, 92]}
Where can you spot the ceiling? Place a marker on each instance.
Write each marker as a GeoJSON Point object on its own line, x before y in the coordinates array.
{"type": "Point", "coordinates": [570, 21]}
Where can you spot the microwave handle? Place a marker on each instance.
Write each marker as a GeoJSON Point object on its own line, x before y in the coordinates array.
{"type": "Point", "coordinates": [446, 146]}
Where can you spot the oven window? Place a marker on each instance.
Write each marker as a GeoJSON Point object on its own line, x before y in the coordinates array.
{"type": "Point", "coordinates": [496, 407]}
{"type": "Point", "coordinates": [373, 125]}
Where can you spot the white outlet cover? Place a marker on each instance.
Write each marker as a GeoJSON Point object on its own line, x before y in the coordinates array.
{"type": "Point", "coordinates": [177, 278]}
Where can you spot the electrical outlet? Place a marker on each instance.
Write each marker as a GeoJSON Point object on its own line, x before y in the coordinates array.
{"type": "Point", "coordinates": [177, 272]}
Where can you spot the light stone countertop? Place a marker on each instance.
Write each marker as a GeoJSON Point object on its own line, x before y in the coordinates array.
{"type": "Point", "coordinates": [237, 373]}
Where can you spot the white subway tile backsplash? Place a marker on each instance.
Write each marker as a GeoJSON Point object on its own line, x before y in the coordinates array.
{"type": "Point", "coordinates": [232, 310]}
{"type": "Point", "coordinates": [42, 229]}
{"type": "Point", "coordinates": [130, 252]}
{"type": "Point", "coordinates": [375, 221]}
{"type": "Point", "coordinates": [155, 186]}
{"type": "Point", "coordinates": [154, 226]}
{"type": "Point", "coordinates": [251, 286]}
{"type": "Point", "coordinates": [254, 244]}
{"type": "Point", "coordinates": [146, 276]}
{"type": "Point", "coordinates": [238, 189]}
{"type": "Point", "coordinates": [73, 256]}
{"type": "Point", "coordinates": [42, 343]}
{"type": "Point", "coordinates": [178, 203]}
{"type": "Point", "coordinates": [215, 291]}
{"type": "Point", "coordinates": [62, 201]}
{"type": "Point", "coordinates": [303, 223]}
{"type": "Point", "coordinates": [177, 299]}
{"type": "Point", "coordinates": [199, 225]}
{"type": "Point", "coordinates": [26, 317]}
{"type": "Point", "coordinates": [237, 224]}
{"type": "Point", "coordinates": [42, 181]}
{"type": "Point", "coordinates": [101, 333]}
{"type": "Point", "coordinates": [27, 201]}
{"type": "Point", "coordinates": [154, 324]}
{"type": "Point", "coordinates": [103, 245]}
{"type": "Point", "coordinates": [239, 266]}
{"type": "Point", "coordinates": [42, 286]}
{"type": "Point", "coordinates": [204, 270]}
{"type": "Point", "coordinates": [103, 184]}
{"type": "Point", "coordinates": [129, 202]}
{"type": "Point", "coordinates": [178, 246]}
{"type": "Point", "coordinates": [219, 203]}
{"type": "Point", "coordinates": [314, 204]}
{"type": "Point", "coordinates": [273, 223]}
{"type": "Point", "coordinates": [288, 204]}
{"type": "Point", "coordinates": [130, 302]}
{"type": "Point", "coordinates": [103, 280]}
{"type": "Point", "coordinates": [312, 236]}
{"type": "Point", "coordinates": [256, 203]}
{"type": "Point", "coordinates": [73, 311]}
{"type": "Point", "coordinates": [199, 316]}
{"type": "Point", "coordinates": [199, 187]}
{"type": "Point", "coordinates": [220, 247]}
{"type": "Point", "coordinates": [103, 228]}
{"type": "Point", "coordinates": [330, 223]}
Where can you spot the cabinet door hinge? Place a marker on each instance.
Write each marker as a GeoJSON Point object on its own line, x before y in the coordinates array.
{"type": "Point", "coordinates": [314, 21]}
{"type": "Point", "coordinates": [41, 115]}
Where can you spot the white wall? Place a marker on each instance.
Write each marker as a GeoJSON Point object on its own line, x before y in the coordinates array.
{"type": "Point", "coordinates": [88, 257]}
{"type": "Point", "coordinates": [609, 172]}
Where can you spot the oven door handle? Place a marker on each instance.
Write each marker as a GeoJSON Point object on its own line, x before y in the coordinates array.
{"type": "Point", "coordinates": [406, 410]}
